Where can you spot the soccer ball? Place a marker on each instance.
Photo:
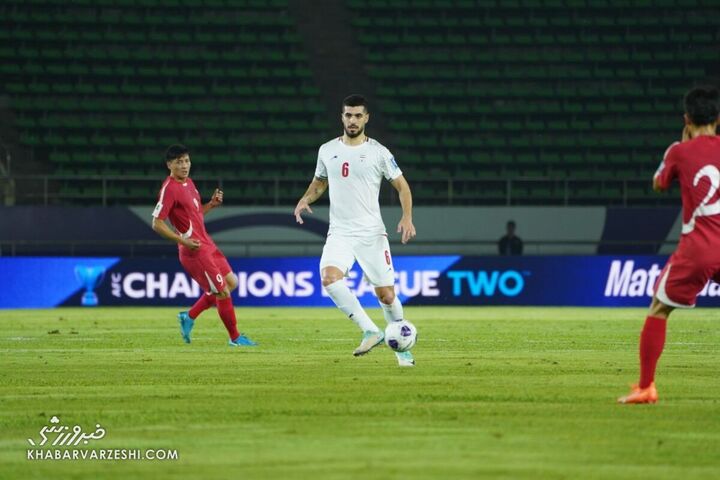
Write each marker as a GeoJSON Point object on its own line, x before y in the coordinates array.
{"type": "Point", "coordinates": [400, 336]}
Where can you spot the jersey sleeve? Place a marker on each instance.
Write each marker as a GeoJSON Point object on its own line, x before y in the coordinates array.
{"type": "Point", "coordinates": [388, 165]}
{"type": "Point", "coordinates": [667, 170]}
{"type": "Point", "coordinates": [321, 168]}
{"type": "Point", "coordinates": [166, 199]}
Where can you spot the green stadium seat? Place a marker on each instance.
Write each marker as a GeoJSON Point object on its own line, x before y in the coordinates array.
{"type": "Point", "coordinates": [503, 93]}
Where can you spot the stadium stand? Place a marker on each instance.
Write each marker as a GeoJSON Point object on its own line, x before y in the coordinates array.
{"type": "Point", "coordinates": [101, 88]}
{"type": "Point", "coordinates": [562, 89]}
{"type": "Point", "coordinates": [480, 100]}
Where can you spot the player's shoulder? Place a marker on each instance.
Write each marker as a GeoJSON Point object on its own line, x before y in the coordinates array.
{"type": "Point", "coordinates": [166, 184]}
{"type": "Point", "coordinates": [376, 144]}
{"type": "Point", "coordinates": [691, 148]}
{"type": "Point", "coordinates": [172, 187]}
{"type": "Point", "coordinates": [330, 145]}
{"type": "Point", "coordinates": [167, 190]}
{"type": "Point", "coordinates": [382, 149]}
{"type": "Point", "coordinates": [673, 149]}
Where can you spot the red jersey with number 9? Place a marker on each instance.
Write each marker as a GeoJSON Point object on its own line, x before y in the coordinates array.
{"type": "Point", "coordinates": [696, 164]}
{"type": "Point", "coordinates": [181, 203]}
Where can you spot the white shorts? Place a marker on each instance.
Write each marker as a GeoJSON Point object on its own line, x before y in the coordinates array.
{"type": "Point", "coordinates": [372, 253]}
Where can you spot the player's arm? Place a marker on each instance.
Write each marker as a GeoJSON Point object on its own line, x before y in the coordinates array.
{"type": "Point", "coordinates": [315, 190]}
{"type": "Point", "coordinates": [661, 179]}
{"type": "Point", "coordinates": [405, 227]}
{"type": "Point", "coordinates": [215, 201]}
{"type": "Point", "coordinates": [162, 229]}
{"type": "Point", "coordinates": [666, 171]}
{"type": "Point", "coordinates": [656, 184]}
{"type": "Point", "coordinates": [663, 176]}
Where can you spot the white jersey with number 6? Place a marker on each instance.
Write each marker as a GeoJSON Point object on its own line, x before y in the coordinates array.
{"type": "Point", "coordinates": [354, 174]}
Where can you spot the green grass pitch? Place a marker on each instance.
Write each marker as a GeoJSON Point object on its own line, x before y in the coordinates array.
{"type": "Point", "coordinates": [516, 393]}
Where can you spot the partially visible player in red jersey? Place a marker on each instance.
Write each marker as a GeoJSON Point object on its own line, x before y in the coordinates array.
{"type": "Point", "coordinates": [695, 162]}
{"type": "Point", "coordinates": [179, 201]}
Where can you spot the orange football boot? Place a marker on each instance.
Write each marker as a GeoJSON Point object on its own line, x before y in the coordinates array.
{"type": "Point", "coordinates": [640, 395]}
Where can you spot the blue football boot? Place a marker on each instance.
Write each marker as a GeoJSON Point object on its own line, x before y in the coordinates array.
{"type": "Point", "coordinates": [242, 341]}
{"type": "Point", "coordinates": [186, 325]}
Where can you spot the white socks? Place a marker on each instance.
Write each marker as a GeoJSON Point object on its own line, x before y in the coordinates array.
{"type": "Point", "coordinates": [350, 305]}
{"type": "Point", "coordinates": [392, 312]}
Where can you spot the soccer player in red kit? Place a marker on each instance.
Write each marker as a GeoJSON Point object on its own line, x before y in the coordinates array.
{"type": "Point", "coordinates": [179, 201]}
{"type": "Point", "coordinates": [695, 162]}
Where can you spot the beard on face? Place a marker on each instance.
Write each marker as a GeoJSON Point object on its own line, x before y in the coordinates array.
{"type": "Point", "coordinates": [353, 135]}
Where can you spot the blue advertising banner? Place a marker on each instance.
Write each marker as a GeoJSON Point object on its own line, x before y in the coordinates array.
{"type": "Point", "coordinates": [295, 281]}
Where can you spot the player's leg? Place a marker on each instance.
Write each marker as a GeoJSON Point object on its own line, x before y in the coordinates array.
{"type": "Point", "coordinates": [390, 304]}
{"type": "Point", "coordinates": [206, 273]}
{"type": "Point", "coordinates": [338, 258]}
{"type": "Point", "coordinates": [373, 255]}
{"type": "Point", "coordinates": [374, 258]}
{"type": "Point", "coordinates": [652, 343]}
{"type": "Point", "coordinates": [393, 312]}
{"type": "Point", "coordinates": [207, 300]}
{"type": "Point", "coordinates": [187, 317]}
{"type": "Point", "coordinates": [226, 309]}
{"type": "Point", "coordinates": [210, 273]}
{"type": "Point", "coordinates": [652, 340]}
{"type": "Point", "coordinates": [348, 303]}
{"type": "Point", "coordinates": [677, 287]}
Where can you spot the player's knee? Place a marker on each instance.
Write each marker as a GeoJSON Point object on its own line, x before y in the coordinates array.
{"type": "Point", "coordinates": [330, 279]}
{"type": "Point", "coordinates": [222, 295]}
{"type": "Point", "coordinates": [231, 281]}
{"type": "Point", "coordinates": [659, 309]}
{"type": "Point", "coordinates": [386, 295]}
{"type": "Point", "coordinates": [330, 276]}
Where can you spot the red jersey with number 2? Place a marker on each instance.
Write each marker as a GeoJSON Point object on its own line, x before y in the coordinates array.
{"type": "Point", "coordinates": [696, 165]}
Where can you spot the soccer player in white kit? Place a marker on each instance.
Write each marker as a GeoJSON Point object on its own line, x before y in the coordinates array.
{"type": "Point", "coordinates": [352, 167]}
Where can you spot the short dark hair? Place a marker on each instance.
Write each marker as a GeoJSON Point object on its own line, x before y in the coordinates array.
{"type": "Point", "coordinates": [175, 151]}
{"type": "Point", "coordinates": [702, 105]}
{"type": "Point", "coordinates": [356, 100]}
{"type": "Point", "coordinates": [511, 223]}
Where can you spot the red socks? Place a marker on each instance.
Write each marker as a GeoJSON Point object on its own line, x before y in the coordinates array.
{"type": "Point", "coordinates": [204, 302]}
{"type": "Point", "coordinates": [227, 314]}
{"type": "Point", "coordinates": [225, 310]}
{"type": "Point", "coordinates": [652, 341]}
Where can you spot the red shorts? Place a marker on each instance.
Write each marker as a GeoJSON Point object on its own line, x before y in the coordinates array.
{"type": "Point", "coordinates": [207, 269]}
{"type": "Point", "coordinates": [683, 278]}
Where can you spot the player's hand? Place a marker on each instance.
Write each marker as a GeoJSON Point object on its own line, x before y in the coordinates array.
{"type": "Point", "coordinates": [217, 198]}
{"type": "Point", "coordinates": [190, 243]}
{"type": "Point", "coordinates": [686, 135]}
{"type": "Point", "coordinates": [301, 206]}
{"type": "Point", "coordinates": [407, 229]}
